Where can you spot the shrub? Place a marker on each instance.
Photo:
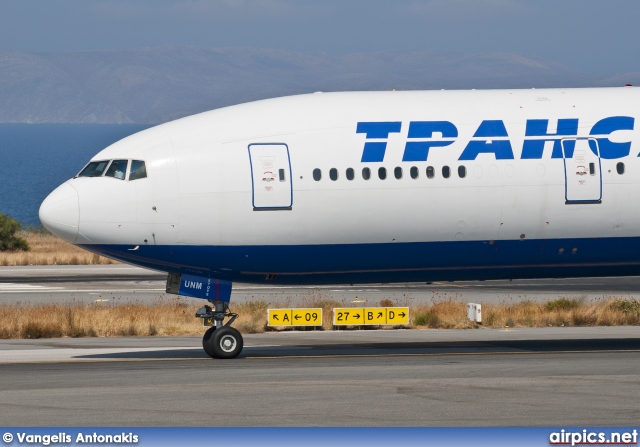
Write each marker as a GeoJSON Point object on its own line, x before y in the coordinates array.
{"type": "Point", "coordinates": [8, 238]}
{"type": "Point", "coordinates": [427, 319]}
{"type": "Point", "coordinates": [564, 304]}
{"type": "Point", "coordinates": [626, 306]}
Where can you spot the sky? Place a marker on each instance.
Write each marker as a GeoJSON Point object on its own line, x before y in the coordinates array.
{"type": "Point", "coordinates": [595, 37]}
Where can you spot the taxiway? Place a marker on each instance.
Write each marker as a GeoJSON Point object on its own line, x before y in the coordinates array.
{"type": "Point", "coordinates": [123, 283]}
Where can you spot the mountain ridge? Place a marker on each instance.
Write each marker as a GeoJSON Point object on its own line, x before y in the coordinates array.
{"type": "Point", "coordinates": [158, 84]}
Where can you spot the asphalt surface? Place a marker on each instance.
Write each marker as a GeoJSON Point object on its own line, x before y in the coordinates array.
{"type": "Point", "coordinates": [122, 283]}
{"type": "Point", "coordinates": [528, 377]}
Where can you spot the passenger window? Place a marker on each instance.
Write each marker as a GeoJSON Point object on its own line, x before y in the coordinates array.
{"type": "Point", "coordinates": [414, 172]}
{"type": "Point", "coordinates": [462, 171]}
{"type": "Point", "coordinates": [382, 173]}
{"type": "Point", "coordinates": [333, 174]}
{"type": "Point", "coordinates": [446, 172]}
{"type": "Point", "coordinates": [431, 172]}
{"type": "Point", "coordinates": [94, 169]}
{"type": "Point", "coordinates": [117, 169]}
{"type": "Point", "coordinates": [350, 174]}
{"type": "Point", "coordinates": [138, 170]}
{"type": "Point", "coordinates": [317, 174]}
{"type": "Point", "coordinates": [620, 168]}
{"type": "Point", "coordinates": [397, 172]}
{"type": "Point", "coordinates": [366, 173]}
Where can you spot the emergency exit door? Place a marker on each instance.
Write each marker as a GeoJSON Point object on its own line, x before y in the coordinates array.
{"type": "Point", "coordinates": [582, 170]}
{"type": "Point", "coordinates": [270, 177]}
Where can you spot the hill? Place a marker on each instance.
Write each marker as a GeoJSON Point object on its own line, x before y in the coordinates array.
{"type": "Point", "coordinates": [153, 85]}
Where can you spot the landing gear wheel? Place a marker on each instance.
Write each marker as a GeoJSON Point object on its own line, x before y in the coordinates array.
{"type": "Point", "coordinates": [206, 341]}
{"type": "Point", "coordinates": [225, 343]}
{"type": "Point", "coordinates": [220, 341]}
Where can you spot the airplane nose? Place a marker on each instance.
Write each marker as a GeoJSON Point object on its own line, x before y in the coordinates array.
{"type": "Point", "coordinates": [59, 212]}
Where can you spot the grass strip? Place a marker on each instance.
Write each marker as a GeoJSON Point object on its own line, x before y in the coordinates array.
{"type": "Point", "coordinates": [47, 249]}
{"type": "Point", "coordinates": [176, 317]}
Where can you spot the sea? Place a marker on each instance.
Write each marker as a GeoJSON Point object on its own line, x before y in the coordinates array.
{"type": "Point", "coordinates": [36, 158]}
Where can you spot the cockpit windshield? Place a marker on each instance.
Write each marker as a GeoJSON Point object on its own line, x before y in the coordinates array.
{"type": "Point", "coordinates": [138, 170]}
{"type": "Point", "coordinates": [94, 169]}
{"type": "Point", "coordinates": [117, 169]}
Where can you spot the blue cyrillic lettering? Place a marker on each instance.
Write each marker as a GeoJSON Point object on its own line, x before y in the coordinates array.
{"type": "Point", "coordinates": [500, 148]}
{"type": "Point", "coordinates": [606, 126]}
{"type": "Point", "coordinates": [491, 137]}
{"type": "Point", "coordinates": [491, 128]}
{"type": "Point", "coordinates": [538, 128]}
{"type": "Point", "coordinates": [374, 150]}
{"type": "Point", "coordinates": [419, 150]}
{"type": "Point", "coordinates": [567, 149]}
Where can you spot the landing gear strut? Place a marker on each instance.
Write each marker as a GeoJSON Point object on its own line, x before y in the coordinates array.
{"type": "Point", "coordinates": [221, 340]}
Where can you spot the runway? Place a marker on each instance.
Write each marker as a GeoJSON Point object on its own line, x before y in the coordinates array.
{"type": "Point", "coordinates": [123, 283]}
{"type": "Point", "coordinates": [528, 377]}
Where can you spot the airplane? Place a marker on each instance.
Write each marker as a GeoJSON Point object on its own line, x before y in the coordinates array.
{"type": "Point", "coordinates": [366, 187]}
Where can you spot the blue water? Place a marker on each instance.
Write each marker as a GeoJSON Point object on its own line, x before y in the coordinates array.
{"type": "Point", "coordinates": [36, 158]}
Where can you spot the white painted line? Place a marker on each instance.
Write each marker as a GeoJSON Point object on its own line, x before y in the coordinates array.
{"type": "Point", "coordinates": [62, 290]}
{"type": "Point", "coordinates": [24, 287]}
{"type": "Point", "coordinates": [276, 287]}
{"type": "Point", "coordinates": [82, 269]}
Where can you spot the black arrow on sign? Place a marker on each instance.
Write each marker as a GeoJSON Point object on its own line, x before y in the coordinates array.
{"type": "Point", "coordinates": [297, 317]}
{"type": "Point", "coordinates": [275, 317]}
{"type": "Point", "coordinates": [379, 314]}
{"type": "Point", "coordinates": [402, 314]}
{"type": "Point", "coordinates": [357, 315]}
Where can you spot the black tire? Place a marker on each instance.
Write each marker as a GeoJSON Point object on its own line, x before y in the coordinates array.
{"type": "Point", "coordinates": [207, 340]}
{"type": "Point", "coordinates": [226, 343]}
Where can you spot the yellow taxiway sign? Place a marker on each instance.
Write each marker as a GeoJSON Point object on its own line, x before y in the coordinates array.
{"type": "Point", "coordinates": [294, 317]}
{"type": "Point", "coordinates": [348, 316]}
{"type": "Point", "coordinates": [397, 315]}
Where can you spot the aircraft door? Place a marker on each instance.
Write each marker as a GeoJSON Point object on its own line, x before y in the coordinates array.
{"type": "Point", "coordinates": [582, 170]}
{"type": "Point", "coordinates": [270, 177]}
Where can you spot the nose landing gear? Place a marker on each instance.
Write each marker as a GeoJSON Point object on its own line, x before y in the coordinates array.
{"type": "Point", "coordinates": [223, 343]}
{"type": "Point", "coordinates": [221, 340]}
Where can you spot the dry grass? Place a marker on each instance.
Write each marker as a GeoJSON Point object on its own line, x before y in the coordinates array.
{"type": "Point", "coordinates": [97, 320]}
{"type": "Point", "coordinates": [176, 317]}
{"type": "Point", "coordinates": [47, 249]}
{"type": "Point", "coordinates": [560, 312]}
{"type": "Point", "coordinates": [167, 317]}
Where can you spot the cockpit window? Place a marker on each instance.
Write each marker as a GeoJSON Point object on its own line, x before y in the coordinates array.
{"type": "Point", "coordinates": [94, 169]}
{"type": "Point", "coordinates": [117, 169]}
{"type": "Point", "coordinates": [138, 170]}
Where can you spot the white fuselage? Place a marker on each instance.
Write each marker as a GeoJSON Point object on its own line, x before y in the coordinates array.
{"type": "Point", "coordinates": [541, 183]}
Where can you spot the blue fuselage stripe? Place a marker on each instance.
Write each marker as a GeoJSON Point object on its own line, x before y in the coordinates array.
{"type": "Point", "coordinates": [416, 261]}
